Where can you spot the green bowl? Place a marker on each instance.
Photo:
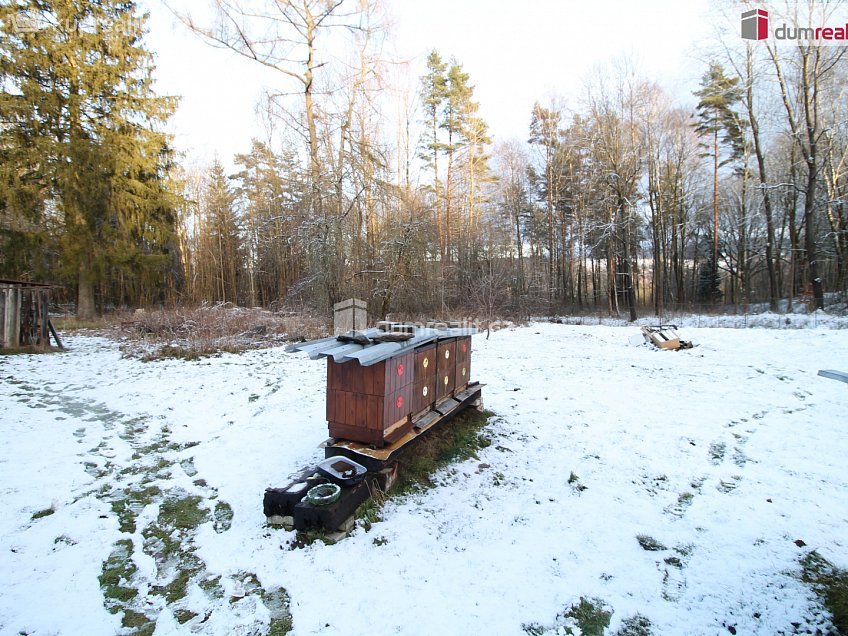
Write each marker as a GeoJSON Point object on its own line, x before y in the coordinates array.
{"type": "Point", "coordinates": [324, 494]}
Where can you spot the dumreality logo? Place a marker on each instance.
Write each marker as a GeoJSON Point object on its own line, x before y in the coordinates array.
{"type": "Point", "coordinates": [755, 24]}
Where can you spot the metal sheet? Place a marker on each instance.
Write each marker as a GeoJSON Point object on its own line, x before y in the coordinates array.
{"type": "Point", "coordinates": [368, 355]}
{"type": "Point", "coordinates": [338, 353]}
{"type": "Point", "coordinates": [309, 345]}
{"type": "Point", "coordinates": [834, 375]}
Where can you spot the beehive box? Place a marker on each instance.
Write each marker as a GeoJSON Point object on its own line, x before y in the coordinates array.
{"type": "Point", "coordinates": [424, 387]}
{"type": "Point", "coordinates": [377, 391]}
{"type": "Point", "coordinates": [370, 404]}
{"type": "Point", "coordinates": [445, 367]}
{"type": "Point", "coordinates": [463, 363]}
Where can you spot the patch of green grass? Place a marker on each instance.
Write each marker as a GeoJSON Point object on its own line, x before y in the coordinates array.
{"type": "Point", "coordinates": [649, 543]}
{"type": "Point", "coordinates": [717, 451]}
{"type": "Point", "coordinates": [591, 615]}
{"type": "Point", "coordinates": [369, 513]}
{"type": "Point", "coordinates": [222, 517]}
{"type": "Point", "coordinates": [453, 441]}
{"type": "Point", "coordinates": [830, 584]}
{"type": "Point", "coordinates": [278, 603]}
{"type": "Point", "coordinates": [117, 570]}
{"type": "Point", "coordinates": [212, 587]}
{"type": "Point", "coordinates": [304, 538]}
{"type": "Point", "coordinates": [184, 616]}
{"type": "Point", "coordinates": [574, 482]}
{"type": "Point", "coordinates": [160, 543]}
{"type": "Point", "coordinates": [636, 625]}
{"type": "Point", "coordinates": [127, 504]}
{"type": "Point", "coordinates": [189, 567]}
{"type": "Point", "coordinates": [43, 513]}
{"type": "Point", "coordinates": [183, 513]}
{"type": "Point", "coordinates": [139, 623]}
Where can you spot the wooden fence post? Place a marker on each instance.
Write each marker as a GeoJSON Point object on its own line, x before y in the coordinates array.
{"type": "Point", "coordinates": [12, 318]}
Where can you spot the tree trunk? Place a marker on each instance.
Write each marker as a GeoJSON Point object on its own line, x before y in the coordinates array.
{"type": "Point", "coordinates": [761, 166]}
{"type": "Point", "coordinates": [85, 292]}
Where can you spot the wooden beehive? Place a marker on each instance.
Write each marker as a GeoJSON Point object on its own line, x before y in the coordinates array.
{"type": "Point", "coordinates": [424, 388]}
{"type": "Point", "coordinates": [370, 404]}
{"type": "Point", "coordinates": [380, 403]}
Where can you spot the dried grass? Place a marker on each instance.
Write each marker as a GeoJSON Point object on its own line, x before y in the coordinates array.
{"type": "Point", "coordinates": [210, 330]}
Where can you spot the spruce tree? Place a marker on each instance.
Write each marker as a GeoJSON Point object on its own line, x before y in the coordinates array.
{"type": "Point", "coordinates": [82, 128]}
{"type": "Point", "coordinates": [223, 237]}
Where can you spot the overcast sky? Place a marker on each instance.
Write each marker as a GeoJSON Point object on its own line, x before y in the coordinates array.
{"type": "Point", "coordinates": [515, 52]}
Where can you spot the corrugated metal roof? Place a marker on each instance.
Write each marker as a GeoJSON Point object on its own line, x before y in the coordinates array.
{"type": "Point", "coordinates": [376, 352]}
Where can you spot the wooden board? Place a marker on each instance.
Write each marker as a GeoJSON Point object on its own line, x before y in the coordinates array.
{"type": "Point", "coordinates": [424, 378]}
{"type": "Point", "coordinates": [445, 367]}
{"type": "Point", "coordinates": [463, 363]}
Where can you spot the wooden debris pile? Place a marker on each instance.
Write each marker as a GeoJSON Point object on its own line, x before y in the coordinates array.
{"type": "Point", "coordinates": [665, 337]}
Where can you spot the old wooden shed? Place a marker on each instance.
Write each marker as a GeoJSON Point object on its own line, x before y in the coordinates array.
{"type": "Point", "coordinates": [24, 314]}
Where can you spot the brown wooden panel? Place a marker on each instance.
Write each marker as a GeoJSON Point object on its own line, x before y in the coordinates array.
{"type": "Point", "coordinates": [399, 371]}
{"type": "Point", "coordinates": [331, 403]}
{"type": "Point", "coordinates": [398, 430]}
{"type": "Point", "coordinates": [360, 415]}
{"type": "Point", "coordinates": [397, 405]}
{"type": "Point", "coordinates": [463, 374]}
{"type": "Point", "coordinates": [425, 378]}
{"type": "Point", "coordinates": [423, 394]}
{"type": "Point", "coordinates": [331, 379]}
{"type": "Point", "coordinates": [356, 433]}
{"type": "Point", "coordinates": [374, 412]}
{"type": "Point", "coordinates": [425, 364]}
{"type": "Point", "coordinates": [349, 409]}
{"type": "Point", "coordinates": [445, 367]}
{"type": "Point", "coordinates": [463, 362]}
{"type": "Point", "coordinates": [374, 380]}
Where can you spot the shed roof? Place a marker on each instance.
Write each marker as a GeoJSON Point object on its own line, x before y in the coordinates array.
{"type": "Point", "coordinates": [24, 283]}
{"type": "Point", "coordinates": [374, 352]}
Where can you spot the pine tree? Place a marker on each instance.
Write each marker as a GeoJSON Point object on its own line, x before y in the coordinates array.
{"type": "Point", "coordinates": [716, 117]}
{"type": "Point", "coordinates": [82, 129]}
{"type": "Point", "coordinates": [434, 90]}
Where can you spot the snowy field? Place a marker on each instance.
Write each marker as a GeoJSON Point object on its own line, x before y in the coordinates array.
{"type": "Point", "coordinates": [727, 462]}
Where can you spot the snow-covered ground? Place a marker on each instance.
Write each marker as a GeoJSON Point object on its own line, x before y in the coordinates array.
{"type": "Point", "coordinates": [724, 456]}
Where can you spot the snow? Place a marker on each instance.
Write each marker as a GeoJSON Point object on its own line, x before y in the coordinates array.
{"type": "Point", "coordinates": [725, 454]}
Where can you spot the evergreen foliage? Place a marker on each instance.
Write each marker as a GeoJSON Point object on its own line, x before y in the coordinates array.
{"type": "Point", "coordinates": [84, 162]}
